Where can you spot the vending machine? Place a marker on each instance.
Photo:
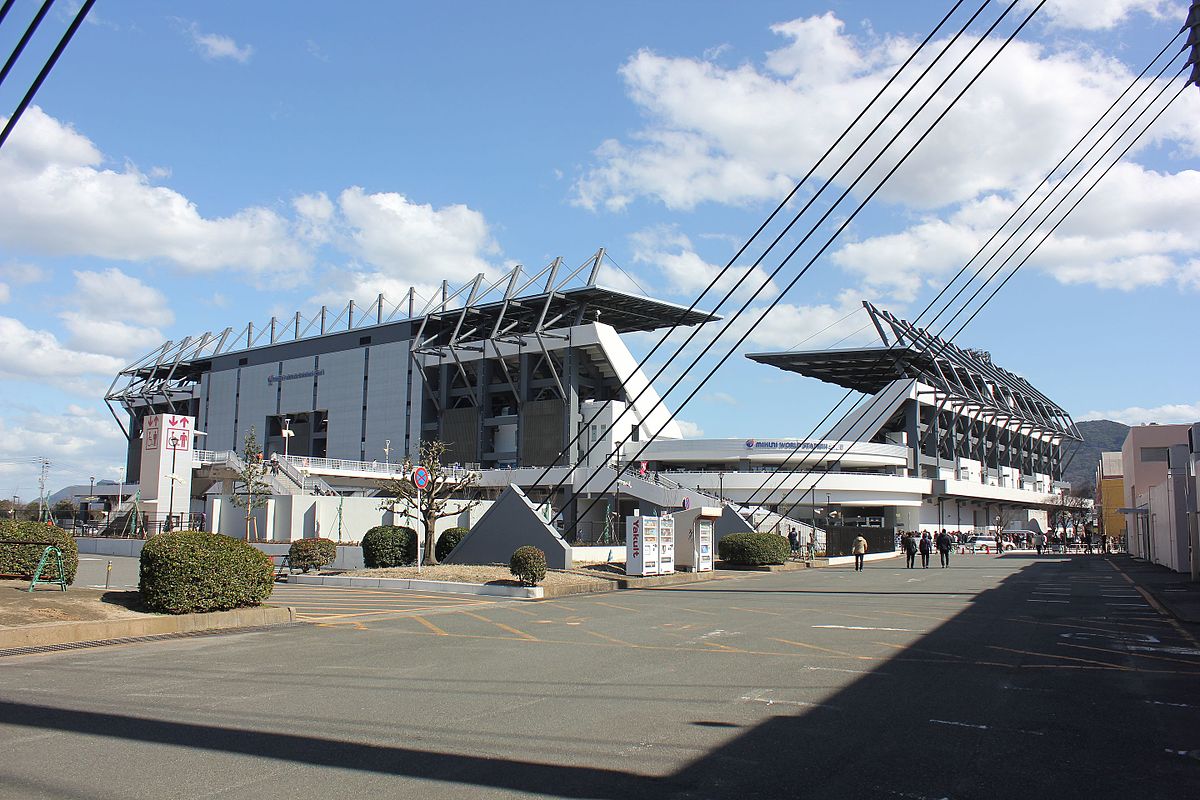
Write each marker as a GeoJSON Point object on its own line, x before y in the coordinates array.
{"type": "Point", "coordinates": [666, 545]}
{"type": "Point", "coordinates": [694, 538]}
{"type": "Point", "coordinates": [641, 546]}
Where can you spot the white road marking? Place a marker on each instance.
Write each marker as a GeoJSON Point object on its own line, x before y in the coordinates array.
{"type": "Point", "coordinates": [960, 724]}
{"type": "Point", "coordinates": [862, 628]}
{"type": "Point", "coordinates": [1032, 600]}
{"type": "Point", "coordinates": [1172, 705]}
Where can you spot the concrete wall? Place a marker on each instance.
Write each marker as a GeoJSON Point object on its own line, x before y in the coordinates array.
{"type": "Point", "coordinates": [287, 518]}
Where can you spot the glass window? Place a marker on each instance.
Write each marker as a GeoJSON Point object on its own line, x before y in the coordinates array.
{"type": "Point", "coordinates": [1154, 454]}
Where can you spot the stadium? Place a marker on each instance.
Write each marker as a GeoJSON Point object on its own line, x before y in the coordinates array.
{"type": "Point", "coordinates": [528, 382]}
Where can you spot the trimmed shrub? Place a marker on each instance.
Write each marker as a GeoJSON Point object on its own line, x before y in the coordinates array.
{"type": "Point", "coordinates": [389, 546]}
{"type": "Point", "coordinates": [754, 549]}
{"type": "Point", "coordinates": [185, 572]}
{"type": "Point", "coordinates": [529, 564]}
{"type": "Point", "coordinates": [448, 541]}
{"type": "Point", "coordinates": [306, 554]}
{"type": "Point", "coordinates": [22, 559]}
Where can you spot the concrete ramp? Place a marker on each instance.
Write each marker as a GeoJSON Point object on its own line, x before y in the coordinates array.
{"type": "Point", "coordinates": [730, 522]}
{"type": "Point", "coordinates": [512, 522]}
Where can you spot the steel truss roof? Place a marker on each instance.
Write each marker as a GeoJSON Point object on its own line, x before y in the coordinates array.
{"type": "Point", "coordinates": [479, 312]}
{"type": "Point", "coordinates": [965, 379]}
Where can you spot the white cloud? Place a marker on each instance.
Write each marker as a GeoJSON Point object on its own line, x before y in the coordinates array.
{"type": "Point", "coordinates": [28, 354]}
{"type": "Point", "coordinates": [215, 46]}
{"type": "Point", "coordinates": [1164, 415]}
{"type": "Point", "coordinates": [738, 135]}
{"type": "Point", "coordinates": [415, 241]}
{"type": "Point", "coordinates": [59, 200]}
{"type": "Point", "coordinates": [671, 257]}
{"type": "Point", "coordinates": [21, 273]}
{"type": "Point", "coordinates": [77, 441]}
{"type": "Point", "coordinates": [690, 430]}
{"type": "Point", "coordinates": [1136, 229]}
{"type": "Point", "coordinates": [1102, 14]}
{"type": "Point", "coordinates": [112, 294]}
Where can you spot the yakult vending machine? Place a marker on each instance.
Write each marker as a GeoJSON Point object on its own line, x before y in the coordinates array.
{"type": "Point", "coordinates": [649, 546]}
{"type": "Point", "coordinates": [641, 545]}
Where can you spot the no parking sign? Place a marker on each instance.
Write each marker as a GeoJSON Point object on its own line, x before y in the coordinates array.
{"type": "Point", "coordinates": [420, 477]}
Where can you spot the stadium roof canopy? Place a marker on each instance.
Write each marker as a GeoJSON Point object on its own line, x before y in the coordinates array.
{"type": "Point", "coordinates": [966, 378]}
{"type": "Point", "coordinates": [509, 307]}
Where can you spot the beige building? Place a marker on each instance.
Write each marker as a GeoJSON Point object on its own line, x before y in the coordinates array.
{"type": "Point", "coordinates": [1154, 461]}
{"type": "Point", "coordinates": [1110, 496]}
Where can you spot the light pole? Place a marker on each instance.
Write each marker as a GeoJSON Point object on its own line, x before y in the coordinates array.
{"type": "Point", "coordinates": [287, 434]}
{"type": "Point", "coordinates": [174, 441]}
{"type": "Point", "coordinates": [721, 487]}
{"type": "Point", "coordinates": [387, 454]}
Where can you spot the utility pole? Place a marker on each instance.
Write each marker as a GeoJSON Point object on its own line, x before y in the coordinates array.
{"type": "Point", "coordinates": [43, 504]}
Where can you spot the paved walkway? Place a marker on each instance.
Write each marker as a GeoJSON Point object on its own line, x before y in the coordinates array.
{"type": "Point", "coordinates": [1176, 593]}
{"type": "Point", "coordinates": [1011, 677]}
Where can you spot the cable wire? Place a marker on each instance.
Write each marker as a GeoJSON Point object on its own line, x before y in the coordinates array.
{"type": "Point", "coordinates": [944, 344]}
{"type": "Point", "coordinates": [852, 216]}
{"type": "Point", "coordinates": [45, 71]}
{"type": "Point", "coordinates": [770, 218]}
{"type": "Point", "coordinates": [1032, 194]}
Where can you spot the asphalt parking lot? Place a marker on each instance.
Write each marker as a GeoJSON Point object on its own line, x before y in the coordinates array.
{"type": "Point", "coordinates": [999, 677]}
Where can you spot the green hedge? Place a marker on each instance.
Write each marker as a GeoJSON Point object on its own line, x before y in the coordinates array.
{"type": "Point", "coordinates": [529, 564]}
{"type": "Point", "coordinates": [389, 546]}
{"type": "Point", "coordinates": [22, 559]}
{"type": "Point", "coordinates": [754, 549]}
{"type": "Point", "coordinates": [448, 541]}
{"type": "Point", "coordinates": [185, 572]}
{"type": "Point", "coordinates": [306, 554]}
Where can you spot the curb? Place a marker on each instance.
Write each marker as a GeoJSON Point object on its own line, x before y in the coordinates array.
{"type": "Point", "coordinates": [444, 587]}
{"type": "Point", "coordinates": [54, 633]}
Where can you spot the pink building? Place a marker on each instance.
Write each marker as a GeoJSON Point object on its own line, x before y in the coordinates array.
{"type": "Point", "coordinates": [1155, 494]}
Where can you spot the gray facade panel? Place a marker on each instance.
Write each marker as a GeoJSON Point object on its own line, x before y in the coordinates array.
{"type": "Point", "coordinates": [222, 389]}
{"type": "Point", "coordinates": [257, 402]}
{"type": "Point", "coordinates": [296, 393]}
{"type": "Point", "coordinates": [340, 392]}
{"type": "Point", "coordinates": [387, 395]}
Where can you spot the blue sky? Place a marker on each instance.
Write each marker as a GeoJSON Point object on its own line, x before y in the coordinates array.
{"type": "Point", "coordinates": [195, 166]}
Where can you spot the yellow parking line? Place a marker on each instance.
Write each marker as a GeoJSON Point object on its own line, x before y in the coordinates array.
{"type": "Point", "coordinates": [822, 649]}
{"type": "Point", "coordinates": [612, 605]}
{"type": "Point", "coordinates": [612, 639]}
{"type": "Point", "coordinates": [430, 625]}
{"type": "Point", "coordinates": [1107, 664]}
{"type": "Point", "coordinates": [501, 626]}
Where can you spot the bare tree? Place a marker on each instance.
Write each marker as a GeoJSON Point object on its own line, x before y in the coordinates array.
{"type": "Point", "coordinates": [445, 486]}
{"type": "Point", "coordinates": [250, 489]}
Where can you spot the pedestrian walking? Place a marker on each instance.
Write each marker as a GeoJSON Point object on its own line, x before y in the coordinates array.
{"type": "Point", "coordinates": [860, 552]}
{"type": "Point", "coordinates": [1039, 542]}
{"type": "Point", "coordinates": [926, 547]}
{"type": "Point", "coordinates": [944, 543]}
{"type": "Point", "coordinates": [794, 542]}
{"type": "Point", "coordinates": [812, 545]}
{"type": "Point", "coordinates": [910, 550]}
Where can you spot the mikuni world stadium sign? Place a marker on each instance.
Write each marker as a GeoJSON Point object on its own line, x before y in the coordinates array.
{"type": "Point", "coordinates": [775, 444]}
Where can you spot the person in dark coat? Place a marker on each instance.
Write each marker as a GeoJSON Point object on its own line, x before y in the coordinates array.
{"type": "Point", "coordinates": [926, 547]}
{"type": "Point", "coordinates": [909, 543]}
{"type": "Point", "coordinates": [944, 544]}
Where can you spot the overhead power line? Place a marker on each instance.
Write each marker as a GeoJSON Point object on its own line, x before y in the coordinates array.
{"type": "Point", "coordinates": [803, 445]}
{"type": "Point", "coordinates": [945, 343]}
{"type": "Point", "coordinates": [758, 232]}
{"type": "Point", "coordinates": [841, 228]}
{"type": "Point", "coordinates": [45, 71]}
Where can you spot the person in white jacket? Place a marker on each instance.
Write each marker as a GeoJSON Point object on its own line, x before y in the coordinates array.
{"type": "Point", "coordinates": [860, 550]}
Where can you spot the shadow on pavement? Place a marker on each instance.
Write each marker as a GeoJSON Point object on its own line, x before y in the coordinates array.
{"type": "Point", "coordinates": [1007, 699]}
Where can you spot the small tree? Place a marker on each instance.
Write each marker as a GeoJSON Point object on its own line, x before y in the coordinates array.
{"type": "Point", "coordinates": [65, 509]}
{"type": "Point", "coordinates": [445, 485]}
{"type": "Point", "coordinates": [250, 489]}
